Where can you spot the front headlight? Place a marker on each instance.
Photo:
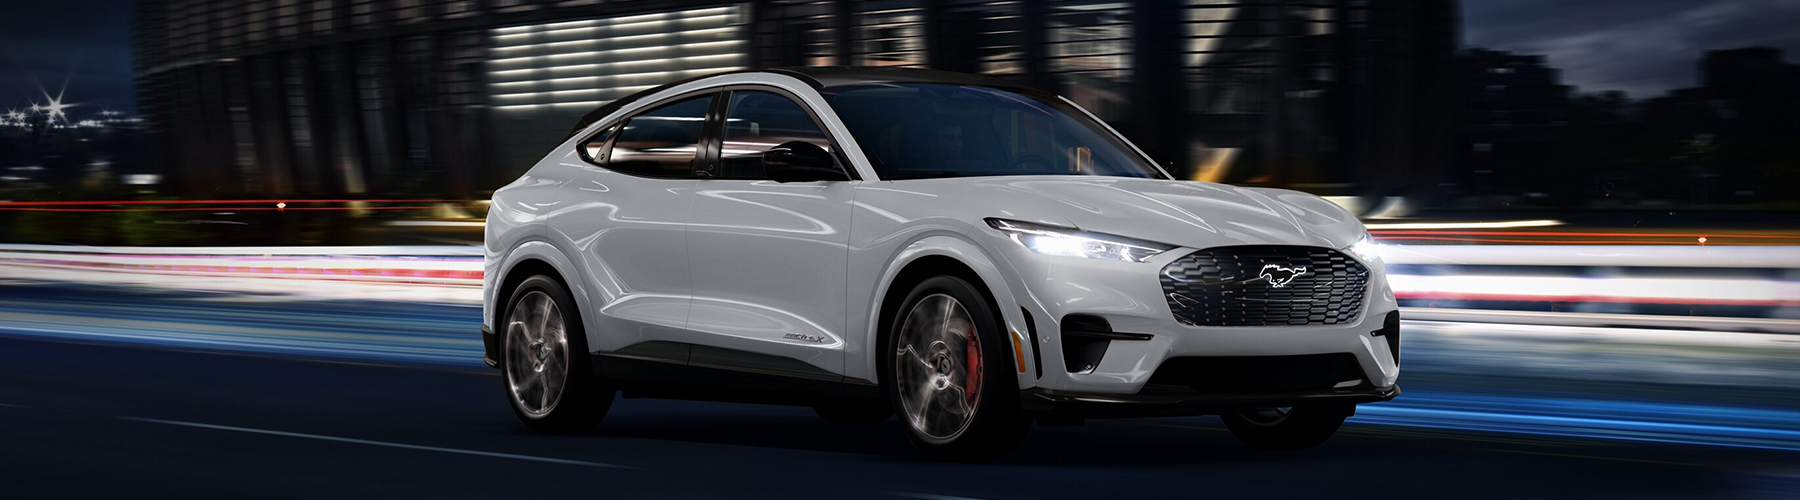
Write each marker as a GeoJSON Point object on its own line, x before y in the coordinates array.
{"type": "Point", "coordinates": [1365, 248]}
{"type": "Point", "coordinates": [1053, 240]}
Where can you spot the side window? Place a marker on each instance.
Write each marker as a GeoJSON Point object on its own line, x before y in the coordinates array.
{"type": "Point", "coordinates": [663, 141]}
{"type": "Point", "coordinates": [757, 121]}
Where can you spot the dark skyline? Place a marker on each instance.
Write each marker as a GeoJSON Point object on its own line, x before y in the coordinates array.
{"type": "Point", "coordinates": [1643, 47]}
{"type": "Point", "coordinates": [85, 42]}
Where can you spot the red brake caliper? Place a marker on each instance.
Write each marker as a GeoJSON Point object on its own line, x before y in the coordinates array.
{"type": "Point", "coordinates": [973, 387]}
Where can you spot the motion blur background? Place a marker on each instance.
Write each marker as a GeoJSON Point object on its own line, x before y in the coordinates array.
{"type": "Point", "coordinates": [1588, 210]}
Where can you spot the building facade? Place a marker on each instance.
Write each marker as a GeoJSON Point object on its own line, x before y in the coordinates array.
{"type": "Point", "coordinates": [1515, 125]}
{"type": "Point", "coordinates": [334, 97]}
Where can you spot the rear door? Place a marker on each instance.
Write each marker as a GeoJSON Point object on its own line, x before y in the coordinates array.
{"type": "Point", "coordinates": [768, 259]}
{"type": "Point", "coordinates": [628, 216]}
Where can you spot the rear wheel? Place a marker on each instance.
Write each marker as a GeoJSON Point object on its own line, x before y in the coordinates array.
{"type": "Point", "coordinates": [945, 370]}
{"type": "Point", "coordinates": [548, 377]}
{"type": "Point", "coordinates": [1287, 428]}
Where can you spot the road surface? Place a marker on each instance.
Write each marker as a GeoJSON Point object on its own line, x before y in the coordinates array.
{"type": "Point", "coordinates": [113, 392]}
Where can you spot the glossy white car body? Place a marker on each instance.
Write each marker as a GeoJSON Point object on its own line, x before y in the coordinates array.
{"type": "Point", "coordinates": [799, 271]}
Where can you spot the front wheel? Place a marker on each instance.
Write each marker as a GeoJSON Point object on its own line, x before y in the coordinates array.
{"type": "Point", "coordinates": [948, 374]}
{"type": "Point", "coordinates": [1287, 428]}
{"type": "Point", "coordinates": [548, 377]}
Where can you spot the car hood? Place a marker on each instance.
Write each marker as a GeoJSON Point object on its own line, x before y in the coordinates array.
{"type": "Point", "coordinates": [1186, 213]}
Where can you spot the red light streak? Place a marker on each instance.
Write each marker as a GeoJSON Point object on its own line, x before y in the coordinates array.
{"type": "Point", "coordinates": [202, 209]}
{"type": "Point", "coordinates": [206, 202]}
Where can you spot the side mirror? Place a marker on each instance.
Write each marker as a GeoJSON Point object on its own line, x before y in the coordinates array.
{"type": "Point", "coordinates": [801, 161]}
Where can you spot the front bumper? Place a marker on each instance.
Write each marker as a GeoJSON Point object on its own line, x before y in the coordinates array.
{"type": "Point", "coordinates": [1042, 403]}
{"type": "Point", "coordinates": [1128, 296]}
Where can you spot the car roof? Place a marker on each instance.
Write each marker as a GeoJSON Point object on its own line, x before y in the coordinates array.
{"type": "Point", "coordinates": [819, 77]}
{"type": "Point", "coordinates": [833, 76]}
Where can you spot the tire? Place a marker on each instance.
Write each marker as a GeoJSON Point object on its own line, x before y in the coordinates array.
{"type": "Point", "coordinates": [1294, 428]}
{"type": "Point", "coordinates": [929, 373]}
{"type": "Point", "coordinates": [547, 375]}
{"type": "Point", "coordinates": [854, 411]}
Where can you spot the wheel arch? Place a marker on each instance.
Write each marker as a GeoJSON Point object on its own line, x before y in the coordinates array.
{"type": "Point", "coordinates": [528, 259]}
{"type": "Point", "coordinates": [944, 256]}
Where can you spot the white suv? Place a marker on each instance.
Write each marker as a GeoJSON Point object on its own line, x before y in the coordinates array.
{"type": "Point", "coordinates": [967, 252]}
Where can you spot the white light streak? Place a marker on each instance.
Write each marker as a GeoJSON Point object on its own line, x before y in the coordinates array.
{"type": "Point", "coordinates": [1466, 225]}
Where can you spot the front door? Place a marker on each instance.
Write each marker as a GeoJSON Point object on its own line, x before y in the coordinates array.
{"type": "Point", "coordinates": [768, 259]}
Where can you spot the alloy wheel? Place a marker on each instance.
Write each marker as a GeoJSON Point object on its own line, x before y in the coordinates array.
{"type": "Point", "coordinates": [537, 354]}
{"type": "Point", "coordinates": [938, 367]}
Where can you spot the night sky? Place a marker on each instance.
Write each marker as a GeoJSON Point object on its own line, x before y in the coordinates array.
{"type": "Point", "coordinates": [86, 42]}
{"type": "Point", "coordinates": [1644, 47]}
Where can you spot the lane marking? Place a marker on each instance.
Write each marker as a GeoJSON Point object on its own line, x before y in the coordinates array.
{"type": "Point", "coordinates": [928, 496]}
{"type": "Point", "coordinates": [377, 443]}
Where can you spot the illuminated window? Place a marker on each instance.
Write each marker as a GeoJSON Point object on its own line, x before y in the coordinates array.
{"type": "Point", "coordinates": [1090, 54]}
{"type": "Point", "coordinates": [890, 33]}
{"type": "Point", "coordinates": [579, 65]}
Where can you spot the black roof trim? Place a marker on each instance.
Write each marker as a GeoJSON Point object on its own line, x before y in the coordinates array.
{"type": "Point", "coordinates": [832, 76]}
{"type": "Point", "coordinates": [820, 77]}
{"type": "Point", "coordinates": [611, 107]}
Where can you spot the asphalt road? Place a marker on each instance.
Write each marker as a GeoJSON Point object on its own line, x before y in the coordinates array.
{"type": "Point", "coordinates": [91, 406]}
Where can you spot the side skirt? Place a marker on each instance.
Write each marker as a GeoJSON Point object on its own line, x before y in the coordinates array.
{"type": "Point", "coordinates": [668, 370]}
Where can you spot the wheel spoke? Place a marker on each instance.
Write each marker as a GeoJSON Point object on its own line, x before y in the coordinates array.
{"type": "Point", "coordinates": [543, 316]}
{"type": "Point", "coordinates": [909, 352]}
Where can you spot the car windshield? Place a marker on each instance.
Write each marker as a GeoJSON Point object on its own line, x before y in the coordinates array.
{"type": "Point", "coordinates": [916, 131]}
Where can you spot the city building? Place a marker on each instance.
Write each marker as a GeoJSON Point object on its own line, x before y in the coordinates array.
{"type": "Point", "coordinates": [325, 97]}
{"type": "Point", "coordinates": [1736, 130]}
{"type": "Point", "coordinates": [1515, 123]}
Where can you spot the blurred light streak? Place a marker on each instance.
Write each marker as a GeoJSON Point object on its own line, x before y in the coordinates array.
{"type": "Point", "coordinates": [436, 223]}
{"type": "Point", "coordinates": [442, 340]}
{"type": "Point", "coordinates": [1710, 325]}
{"type": "Point", "coordinates": [1747, 292]}
{"type": "Point", "coordinates": [1611, 256]}
{"type": "Point", "coordinates": [206, 209]}
{"type": "Point", "coordinates": [211, 202]}
{"type": "Point", "coordinates": [1554, 233]}
{"type": "Point", "coordinates": [462, 266]}
{"type": "Point", "coordinates": [413, 252]}
{"type": "Point", "coordinates": [1592, 419]}
{"type": "Point", "coordinates": [1380, 236]}
{"type": "Point", "coordinates": [1463, 225]}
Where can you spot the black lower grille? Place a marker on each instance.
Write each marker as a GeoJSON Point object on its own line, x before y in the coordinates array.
{"type": "Point", "coordinates": [1259, 374]}
{"type": "Point", "coordinates": [1265, 285]}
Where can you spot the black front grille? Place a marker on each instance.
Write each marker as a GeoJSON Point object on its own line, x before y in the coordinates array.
{"type": "Point", "coordinates": [1265, 285]}
{"type": "Point", "coordinates": [1259, 374]}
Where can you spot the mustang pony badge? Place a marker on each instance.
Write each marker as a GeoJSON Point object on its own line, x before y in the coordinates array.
{"type": "Point", "coordinates": [1280, 276]}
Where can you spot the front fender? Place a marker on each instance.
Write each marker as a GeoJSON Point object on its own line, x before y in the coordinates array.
{"type": "Point", "coordinates": [992, 279]}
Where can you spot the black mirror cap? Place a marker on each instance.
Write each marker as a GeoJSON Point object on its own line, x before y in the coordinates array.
{"type": "Point", "coordinates": [801, 161]}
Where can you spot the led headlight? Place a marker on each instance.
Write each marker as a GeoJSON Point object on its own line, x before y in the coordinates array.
{"type": "Point", "coordinates": [1053, 240]}
{"type": "Point", "coordinates": [1365, 248]}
